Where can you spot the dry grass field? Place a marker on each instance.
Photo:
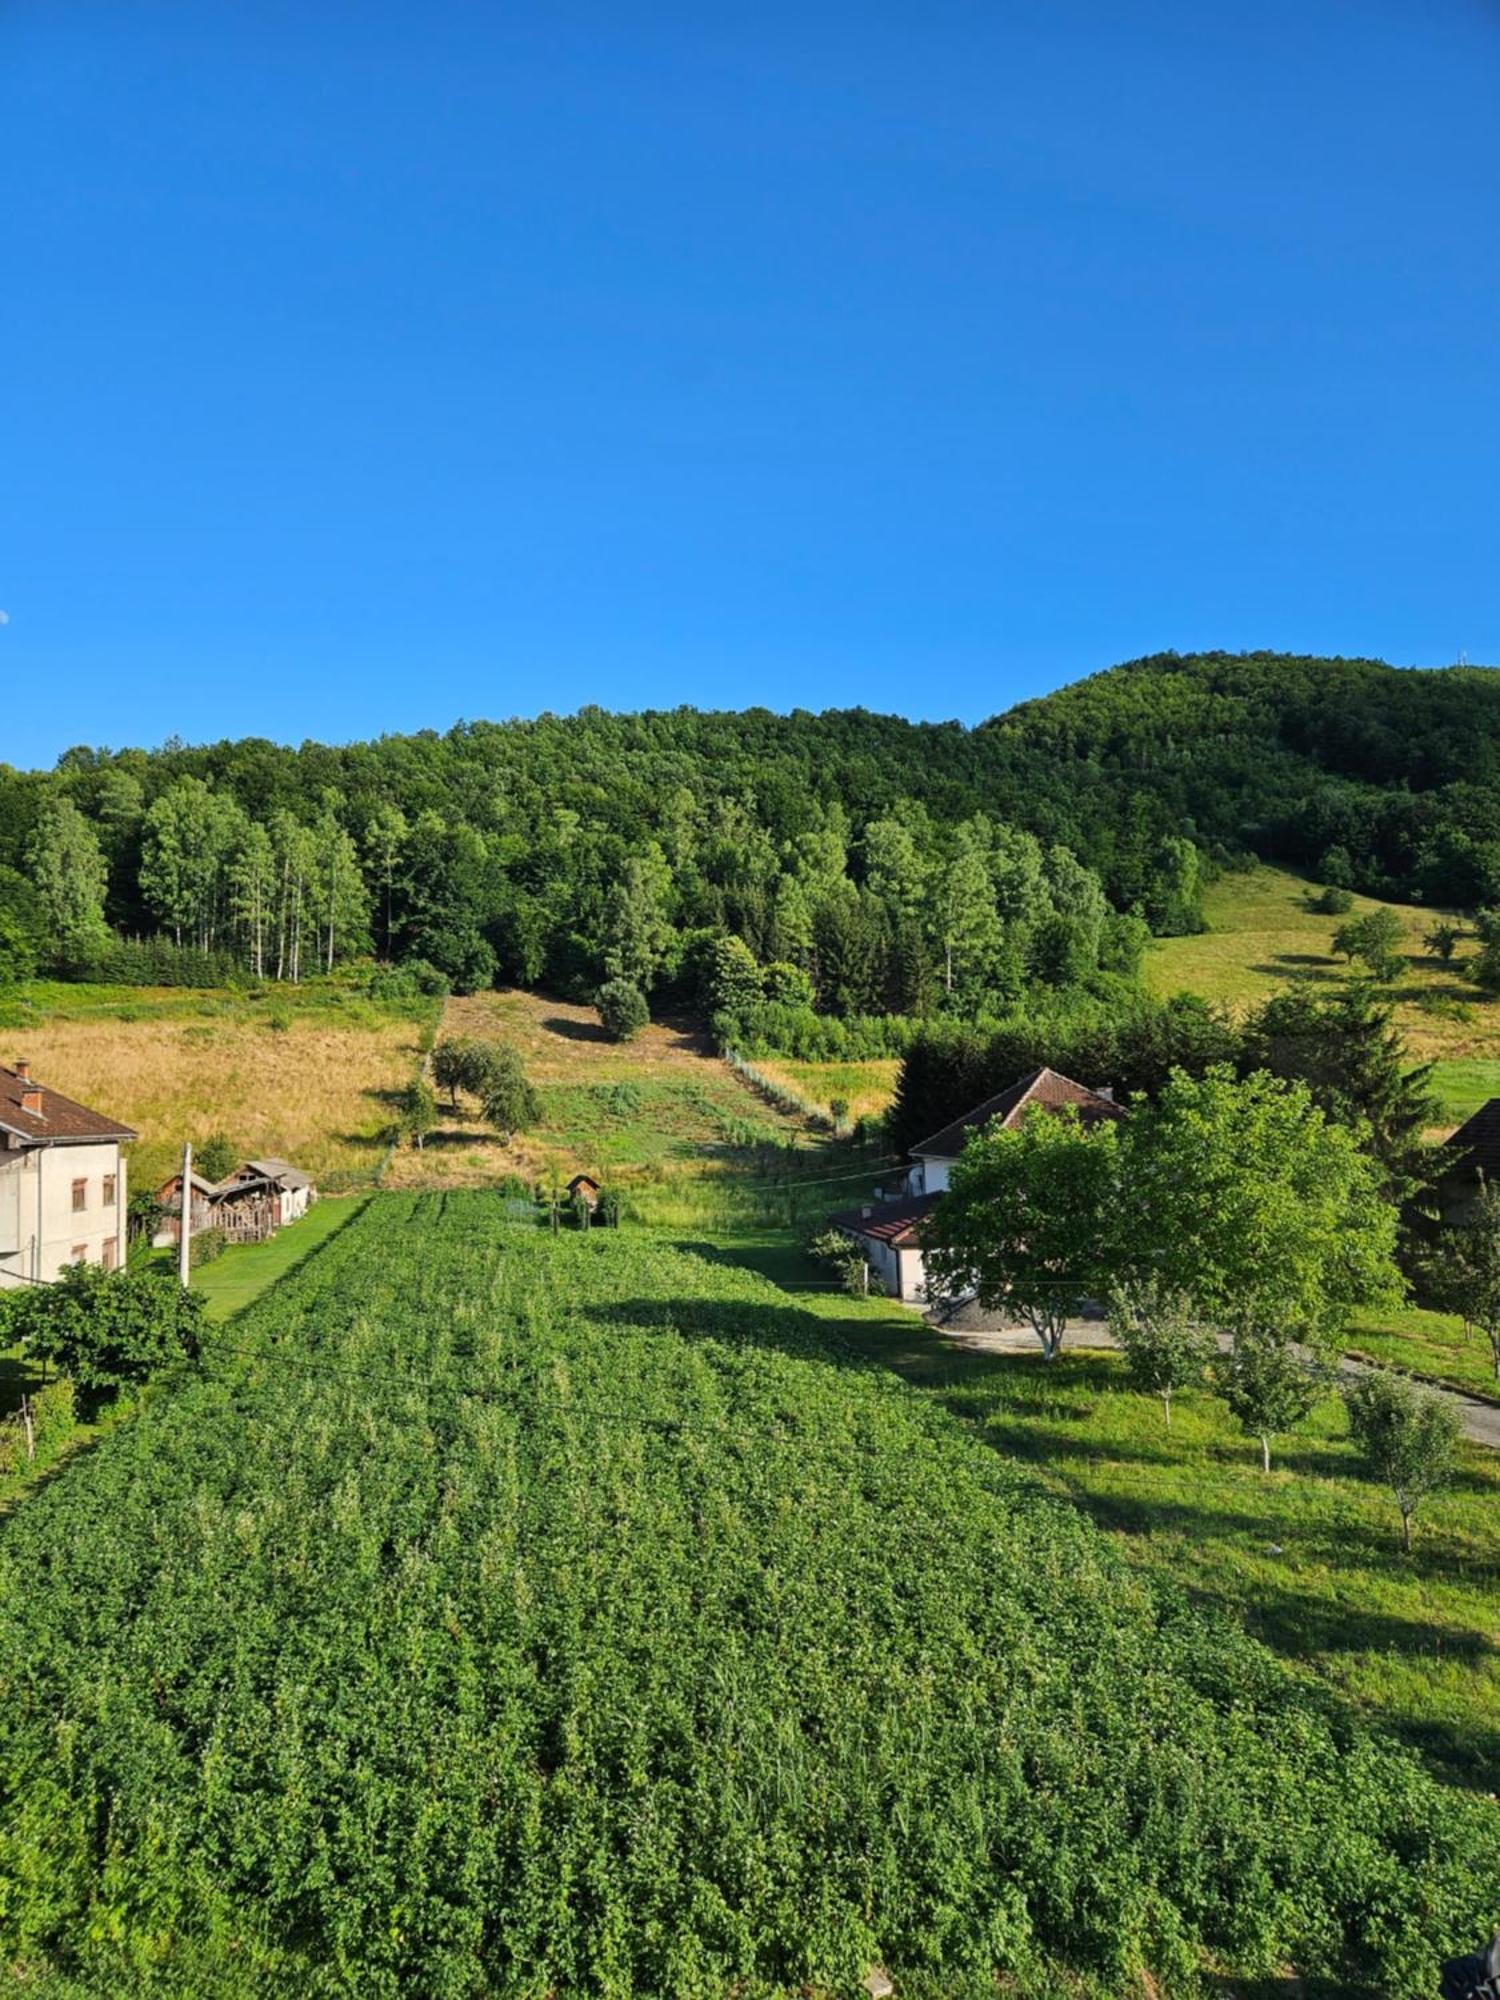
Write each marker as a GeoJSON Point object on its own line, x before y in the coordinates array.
{"type": "Point", "coordinates": [1264, 935]}
{"type": "Point", "coordinates": [308, 1076]}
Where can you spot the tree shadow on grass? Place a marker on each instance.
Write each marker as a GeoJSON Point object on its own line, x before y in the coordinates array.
{"type": "Point", "coordinates": [575, 1031]}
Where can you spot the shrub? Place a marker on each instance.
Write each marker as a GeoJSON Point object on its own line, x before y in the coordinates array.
{"type": "Point", "coordinates": [1334, 901]}
{"type": "Point", "coordinates": [216, 1157]}
{"type": "Point", "coordinates": [206, 1246]}
{"type": "Point", "coordinates": [105, 1329]}
{"type": "Point", "coordinates": [622, 1009]}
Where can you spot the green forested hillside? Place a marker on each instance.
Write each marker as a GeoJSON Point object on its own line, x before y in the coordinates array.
{"type": "Point", "coordinates": [884, 866]}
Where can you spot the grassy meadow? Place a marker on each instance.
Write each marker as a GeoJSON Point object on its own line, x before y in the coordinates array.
{"type": "Point", "coordinates": [309, 1073]}
{"type": "Point", "coordinates": [1263, 934]}
{"type": "Point", "coordinates": [866, 1087]}
{"type": "Point", "coordinates": [662, 1118]}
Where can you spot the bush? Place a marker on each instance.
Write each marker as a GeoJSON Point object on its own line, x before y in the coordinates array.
{"type": "Point", "coordinates": [105, 1329]}
{"type": "Point", "coordinates": [622, 1009]}
{"type": "Point", "coordinates": [216, 1157]}
{"type": "Point", "coordinates": [1334, 901]}
{"type": "Point", "coordinates": [413, 980]}
{"type": "Point", "coordinates": [206, 1246]}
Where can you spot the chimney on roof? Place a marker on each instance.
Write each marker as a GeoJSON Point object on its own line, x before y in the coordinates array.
{"type": "Point", "coordinates": [23, 1068]}
{"type": "Point", "coordinates": [866, 1212]}
{"type": "Point", "coordinates": [1107, 1092]}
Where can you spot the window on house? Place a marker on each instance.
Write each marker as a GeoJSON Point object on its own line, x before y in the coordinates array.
{"type": "Point", "coordinates": [111, 1253]}
{"type": "Point", "coordinates": [80, 1253]}
{"type": "Point", "coordinates": [80, 1195]}
{"type": "Point", "coordinates": [109, 1190]}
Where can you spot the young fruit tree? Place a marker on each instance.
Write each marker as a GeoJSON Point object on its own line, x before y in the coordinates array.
{"type": "Point", "coordinates": [1471, 1269]}
{"type": "Point", "coordinates": [1408, 1439]}
{"type": "Point", "coordinates": [510, 1104]}
{"type": "Point", "coordinates": [1166, 1347]}
{"type": "Point", "coordinates": [418, 1111]}
{"type": "Point", "coordinates": [1241, 1196]}
{"type": "Point", "coordinates": [1025, 1224]}
{"type": "Point", "coordinates": [1268, 1387]}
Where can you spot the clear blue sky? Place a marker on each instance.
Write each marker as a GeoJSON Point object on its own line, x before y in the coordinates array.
{"type": "Point", "coordinates": [369, 366]}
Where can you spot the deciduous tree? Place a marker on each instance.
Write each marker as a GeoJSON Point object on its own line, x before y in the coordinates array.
{"type": "Point", "coordinates": [1407, 1438]}
{"type": "Point", "coordinates": [1026, 1223]}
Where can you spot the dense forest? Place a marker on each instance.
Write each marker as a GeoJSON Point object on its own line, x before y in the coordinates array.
{"type": "Point", "coordinates": [869, 866]}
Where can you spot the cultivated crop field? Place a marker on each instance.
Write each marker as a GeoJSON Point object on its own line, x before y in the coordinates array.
{"type": "Point", "coordinates": [510, 1614]}
{"type": "Point", "coordinates": [1263, 934]}
{"type": "Point", "coordinates": [308, 1073]}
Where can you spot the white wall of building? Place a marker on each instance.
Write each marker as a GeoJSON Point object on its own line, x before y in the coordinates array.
{"type": "Point", "coordinates": [930, 1177]}
{"type": "Point", "coordinates": [60, 1205]}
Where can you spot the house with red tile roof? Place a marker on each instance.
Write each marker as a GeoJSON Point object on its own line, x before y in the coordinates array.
{"type": "Point", "coordinates": [62, 1181]}
{"type": "Point", "coordinates": [890, 1232]}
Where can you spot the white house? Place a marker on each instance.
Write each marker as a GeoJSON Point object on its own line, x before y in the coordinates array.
{"type": "Point", "coordinates": [890, 1232]}
{"type": "Point", "coordinates": [62, 1182]}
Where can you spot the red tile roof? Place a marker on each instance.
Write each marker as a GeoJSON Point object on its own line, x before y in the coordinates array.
{"type": "Point", "coordinates": [59, 1122]}
{"type": "Point", "coordinates": [1475, 1146]}
{"type": "Point", "coordinates": [1046, 1087]}
{"type": "Point", "coordinates": [892, 1222]}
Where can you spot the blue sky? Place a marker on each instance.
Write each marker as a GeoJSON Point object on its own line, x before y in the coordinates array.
{"type": "Point", "coordinates": [366, 367]}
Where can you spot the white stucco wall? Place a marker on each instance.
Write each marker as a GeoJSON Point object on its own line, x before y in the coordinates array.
{"type": "Point", "coordinates": [933, 1176]}
{"type": "Point", "coordinates": [40, 1230]}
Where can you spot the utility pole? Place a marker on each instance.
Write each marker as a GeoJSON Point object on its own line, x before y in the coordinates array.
{"type": "Point", "coordinates": [185, 1232]}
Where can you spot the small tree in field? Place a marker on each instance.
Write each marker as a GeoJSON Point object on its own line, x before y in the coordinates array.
{"type": "Point", "coordinates": [622, 1009]}
{"type": "Point", "coordinates": [1408, 1440]}
{"type": "Point", "coordinates": [1376, 938]}
{"type": "Point", "coordinates": [1164, 1345]}
{"type": "Point", "coordinates": [1026, 1221]}
{"type": "Point", "coordinates": [418, 1111]}
{"type": "Point", "coordinates": [1470, 1257]}
{"type": "Point", "coordinates": [510, 1104]}
{"type": "Point", "coordinates": [1443, 939]}
{"type": "Point", "coordinates": [453, 1068]}
{"type": "Point", "coordinates": [1269, 1390]}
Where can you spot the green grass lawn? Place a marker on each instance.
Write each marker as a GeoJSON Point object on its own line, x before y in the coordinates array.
{"type": "Point", "coordinates": [1464, 1083]}
{"type": "Point", "coordinates": [1264, 935]}
{"type": "Point", "coordinates": [245, 1270]}
{"type": "Point", "coordinates": [1309, 1558]}
{"type": "Point", "coordinates": [1428, 1343]}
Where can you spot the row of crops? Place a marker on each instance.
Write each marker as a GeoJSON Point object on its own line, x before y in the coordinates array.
{"type": "Point", "coordinates": [512, 1614]}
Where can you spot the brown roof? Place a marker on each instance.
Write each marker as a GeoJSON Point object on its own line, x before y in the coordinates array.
{"type": "Point", "coordinates": [892, 1222]}
{"type": "Point", "coordinates": [1475, 1146]}
{"type": "Point", "coordinates": [60, 1122]}
{"type": "Point", "coordinates": [1046, 1087]}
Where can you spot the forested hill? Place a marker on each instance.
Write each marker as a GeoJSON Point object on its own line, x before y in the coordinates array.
{"type": "Point", "coordinates": [885, 858]}
{"type": "Point", "coordinates": [1286, 757]}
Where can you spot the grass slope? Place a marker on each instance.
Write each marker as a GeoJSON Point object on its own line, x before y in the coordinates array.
{"type": "Point", "coordinates": [662, 1118]}
{"type": "Point", "coordinates": [530, 1615]}
{"type": "Point", "coordinates": [1263, 934]}
{"type": "Point", "coordinates": [308, 1073]}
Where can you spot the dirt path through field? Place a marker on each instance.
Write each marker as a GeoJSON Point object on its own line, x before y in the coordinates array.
{"type": "Point", "coordinates": [1481, 1421]}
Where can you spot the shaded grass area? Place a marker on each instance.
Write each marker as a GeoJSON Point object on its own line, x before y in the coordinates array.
{"type": "Point", "coordinates": [1309, 1558]}
{"type": "Point", "coordinates": [245, 1270]}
